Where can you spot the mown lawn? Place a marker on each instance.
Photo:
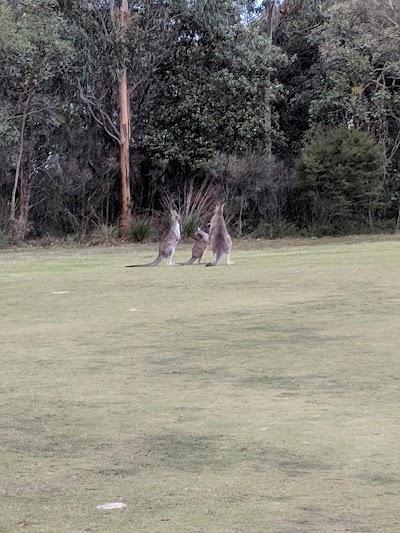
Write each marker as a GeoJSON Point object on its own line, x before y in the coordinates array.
{"type": "Point", "coordinates": [257, 398]}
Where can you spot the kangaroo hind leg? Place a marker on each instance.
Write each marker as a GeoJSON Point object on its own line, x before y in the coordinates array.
{"type": "Point", "coordinates": [228, 258]}
{"type": "Point", "coordinates": [170, 262]}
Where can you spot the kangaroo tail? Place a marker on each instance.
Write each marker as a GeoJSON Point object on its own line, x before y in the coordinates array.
{"type": "Point", "coordinates": [152, 264]}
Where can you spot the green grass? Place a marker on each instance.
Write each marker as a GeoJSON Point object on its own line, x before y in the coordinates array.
{"type": "Point", "coordinates": [260, 397]}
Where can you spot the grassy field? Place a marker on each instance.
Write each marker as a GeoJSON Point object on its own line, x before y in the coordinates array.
{"type": "Point", "coordinates": [258, 398]}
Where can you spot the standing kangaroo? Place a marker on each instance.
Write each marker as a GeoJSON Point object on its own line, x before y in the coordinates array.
{"type": "Point", "coordinates": [220, 240]}
{"type": "Point", "coordinates": [167, 244]}
{"type": "Point", "coordinates": [199, 247]}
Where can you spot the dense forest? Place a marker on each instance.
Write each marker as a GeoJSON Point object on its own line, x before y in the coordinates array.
{"type": "Point", "coordinates": [112, 111]}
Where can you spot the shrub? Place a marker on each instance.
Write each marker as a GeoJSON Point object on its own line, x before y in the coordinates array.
{"type": "Point", "coordinates": [106, 233]}
{"type": "Point", "coordinates": [189, 225]}
{"type": "Point", "coordinates": [257, 188]}
{"type": "Point", "coordinates": [139, 229]}
{"type": "Point", "coordinates": [195, 205]}
{"type": "Point", "coordinates": [4, 239]}
{"type": "Point", "coordinates": [339, 178]}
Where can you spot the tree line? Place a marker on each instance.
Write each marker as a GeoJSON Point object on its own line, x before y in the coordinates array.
{"type": "Point", "coordinates": [112, 111]}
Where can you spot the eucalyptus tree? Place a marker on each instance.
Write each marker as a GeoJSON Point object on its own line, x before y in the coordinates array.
{"type": "Point", "coordinates": [119, 49]}
{"type": "Point", "coordinates": [210, 87]}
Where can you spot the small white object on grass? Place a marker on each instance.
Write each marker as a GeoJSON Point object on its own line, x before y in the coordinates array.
{"type": "Point", "coordinates": [59, 292]}
{"type": "Point", "coordinates": [132, 309]}
{"type": "Point", "coordinates": [110, 506]}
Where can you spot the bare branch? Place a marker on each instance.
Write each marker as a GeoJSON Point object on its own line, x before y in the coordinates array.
{"type": "Point", "coordinates": [395, 24]}
{"type": "Point", "coordinates": [395, 147]}
{"type": "Point", "coordinates": [105, 118]}
{"type": "Point", "coordinates": [36, 112]}
{"type": "Point", "coordinates": [112, 12]}
{"type": "Point", "coordinates": [103, 24]}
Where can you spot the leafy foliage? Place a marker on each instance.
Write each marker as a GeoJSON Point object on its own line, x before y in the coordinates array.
{"type": "Point", "coordinates": [106, 233]}
{"type": "Point", "coordinates": [140, 229]}
{"type": "Point", "coordinates": [4, 239]}
{"type": "Point", "coordinates": [199, 72]}
{"type": "Point", "coordinates": [339, 178]}
{"type": "Point", "coordinates": [359, 49]}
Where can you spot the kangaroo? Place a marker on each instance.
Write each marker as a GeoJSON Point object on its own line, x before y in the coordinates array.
{"type": "Point", "coordinates": [167, 244]}
{"type": "Point", "coordinates": [220, 240]}
{"type": "Point", "coordinates": [200, 246]}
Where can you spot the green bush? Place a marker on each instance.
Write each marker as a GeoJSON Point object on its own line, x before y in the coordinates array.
{"type": "Point", "coordinates": [339, 178]}
{"type": "Point", "coordinates": [139, 229]}
{"type": "Point", "coordinates": [107, 233]}
{"type": "Point", "coordinates": [4, 239]}
{"type": "Point", "coordinates": [189, 225]}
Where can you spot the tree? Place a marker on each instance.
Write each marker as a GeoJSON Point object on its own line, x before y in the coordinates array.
{"type": "Point", "coordinates": [105, 34]}
{"type": "Point", "coordinates": [339, 178]}
{"type": "Point", "coordinates": [124, 129]}
{"type": "Point", "coordinates": [298, 34]}
{"type": "Point", "coordinates": [362, 90]}
{"type": "Point", "coordinates": [210, 89]}
{"type": "Point", "coordinates": [34, 58]}
{"type": "Point", "coordinates": [129, 49]}
{"type": "Point", "coordinates": [269, 11]}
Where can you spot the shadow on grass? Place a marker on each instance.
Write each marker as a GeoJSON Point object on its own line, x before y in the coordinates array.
{"type": "Point", "coordinates": [194, 453]}
{"type": "Point", "coordinates": [291, 463]}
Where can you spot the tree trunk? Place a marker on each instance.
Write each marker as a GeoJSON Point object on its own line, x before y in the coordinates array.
{"type": "Point", "coordinates": [268, 84]}
{"type": "Point", "coordinates": [108, 204]}
{"type": "Point", "coordinates": [125, 137]}
{"type": "Point", "coordinates": [22, 223]}
{"type": "Point", "coordinates": [12, 218]}
{"type": "Point", "coordinates": [398, 220]}
{"type": "Point", "coordinates": [240, 225]}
